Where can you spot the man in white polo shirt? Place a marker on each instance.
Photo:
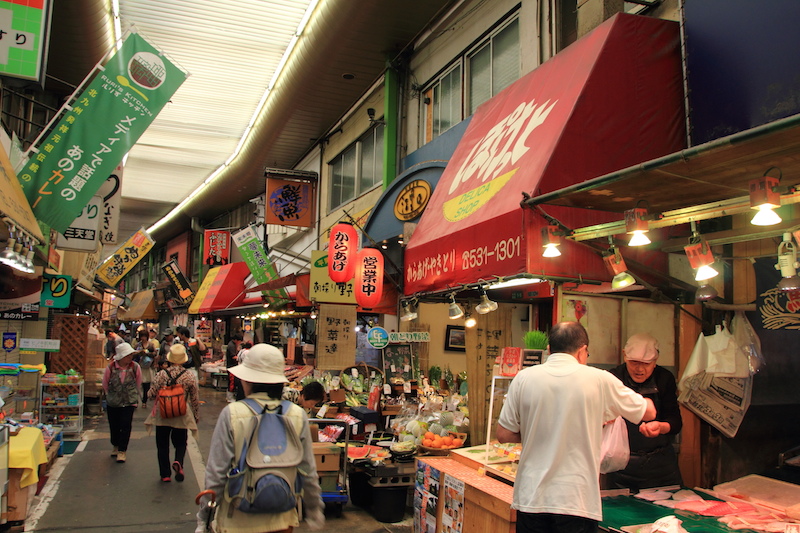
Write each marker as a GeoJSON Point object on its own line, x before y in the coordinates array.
{"type": "Point", "coordinates": [557, 411]}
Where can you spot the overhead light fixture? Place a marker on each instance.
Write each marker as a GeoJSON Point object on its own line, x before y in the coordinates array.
{"type": "Point", "coordinates": [504, 283]}
{"type": "Point", "coordinates": [787, 264]}
{"type": "Point", "coordinates": [470, 321]}
{"type": "Point", "coordinates": [313, 314]}
{"type": "Point", "coordinates": [700, 256]}
{"type": "Point", "coordinates": [637, 226]}
{"type": "Point", "coordinates": [551, 240]}
{"type": "Point", "coordinates": [486, 305]}
{"type": "Point", "coordinates": [616, 267]}
{"type": "Point", "coordinates": [705, 292]}
{"type": "Point", "coordinates": [400, 240]}
{"type": "Point", "coordinates": [455, 310]}
{"type": "Point", "coordinates": [384, 245]}
{"type": "Point", "coordinates": [409, 313]}
{"type": "Point", "coordinates": [765, 197]}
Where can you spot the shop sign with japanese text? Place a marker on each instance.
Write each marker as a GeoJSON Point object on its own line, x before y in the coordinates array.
{"type": "Point", "coordinates": [290, 203]}
{"type": "Point", "coordinates": [178, 279]}
{"type": "Point", "coordinates": [23, 37]}
{"type": "Point", "coordinates": [82, 234]}
{"type": "Point", "coordinates": [99, 127]}
{"type": "Point", "coordinates": [56, 291]}
{"type": "Point", "coordinates": [409, 336]}
{"type": "Point", "coordinates": [111, 193]}
{"type": "Point", "coordinates": [321, 288]}
{"type": "Point", "coordinates": [40, 345]}
{"type": "Point", "coordinates": [336, 338]}
{"type": "Point", "coordinates": [217, 247]}
{"type": "Point", "coordinates": [113, 269]}
{"type": "Point", "coordinates": [262, 269]}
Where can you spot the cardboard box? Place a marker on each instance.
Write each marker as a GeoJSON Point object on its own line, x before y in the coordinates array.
{"type": "Point", "coordinates": [329, 481]}
{"type": "Point", "coordinates": [326, 455]}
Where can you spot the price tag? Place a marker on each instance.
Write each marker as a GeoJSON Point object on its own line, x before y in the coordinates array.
{"type": "Point", "coordinates": [387, 389]}
{"type": "Point", "coordinates": [354, 372]}
{"type": "Point", "coordinates": [407, 387]}
{"type": "Point", "coordinates": [335, 382]}
{"type": "Point", "coordinates": [322, 411]}
{"type": "Point", "coordinates": [372, 374]}
{"type": "Point", "coordinates": [407, 368]}
{"type": "Point", "coordinates": [392, 368]}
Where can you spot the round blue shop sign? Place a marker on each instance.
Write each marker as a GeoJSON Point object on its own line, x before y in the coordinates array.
{"type": "Point", "coordinates": [378, 337]}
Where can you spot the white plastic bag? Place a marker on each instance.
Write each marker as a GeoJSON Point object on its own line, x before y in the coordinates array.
{"type": "Point", "coordinates": [614, 450]}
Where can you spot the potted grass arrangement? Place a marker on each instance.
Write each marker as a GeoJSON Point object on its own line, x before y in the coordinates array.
{"type": "Point", "coordinates": [535, 345]}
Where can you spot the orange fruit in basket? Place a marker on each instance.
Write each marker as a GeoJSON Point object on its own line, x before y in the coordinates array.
{"type": "Point", "coordinates": [447, 440]}
{"type": "Point", "coordinates": [429, 435]}
{"type": "Point", "coordinates": [458, 442]}
{"type": "Point", "coordinates": [427, 442]}
{"type": "Point", "coordinates": [436, 444]}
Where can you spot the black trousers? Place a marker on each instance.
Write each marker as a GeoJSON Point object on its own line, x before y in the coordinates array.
{"type": "Point", "coordinates": [120, 421]}
{"type": "Point", "coordinates": [165, 435]}
{"type": "Point", "coordinates": [554, 523]}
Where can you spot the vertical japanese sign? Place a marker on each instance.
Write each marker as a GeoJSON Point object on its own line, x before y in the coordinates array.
{"type": "Point", "coordinates": [262, 269]}
{"type": "Point", "coordinates": [336, 336]}
{"type": "Point", "coordinates": [321, 288]}
{"type": "Point", "coordinates": [113, 269]}
{"type": "Point", "coordinates": [56, 291]}
{"type": "Point", "coordinates": [290, 203]}
{"type": "Point", "coordinates": [91, 138]}
{"type": "Point", "coordinates": [217, 247]}
{"type": "Point", "coordinates": [82, 234]}
{"type": "Point", "coordinates": [111, 193]}
{"type": "Point", "coordinates": [23, 37]}
{"type": "Point", "coordinates": [178, 279]}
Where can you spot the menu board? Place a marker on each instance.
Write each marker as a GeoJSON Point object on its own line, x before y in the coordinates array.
{"type": "Point", "coordinates": [398, 363]}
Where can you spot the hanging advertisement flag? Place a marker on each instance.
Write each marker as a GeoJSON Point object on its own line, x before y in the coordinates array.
{"type": "Point", "coordinates": [262, 269]}
{"type": "Point", "coordinates": [12, 199]}
{"type": "Point", "coordinates": [290, 203]}
{"type": "Point", "coordinates": [178, 280]}
{"type": "Point", "coordinates": [56, 291]}
{"type": "Point", "coordinates": [98, 128]}
{"type": "Point", "coordinates": [217, 247]}
{"type": "Point", "coordinates": [113, 269]}
{"type": "Point", "coordinates": [111, 193]}
{"type": "Point", "coordinates": [82, 234]}
{"type": "Point", "coordinates": [9, 341]}
{"type": "Point", "coordinates": [25, 26]}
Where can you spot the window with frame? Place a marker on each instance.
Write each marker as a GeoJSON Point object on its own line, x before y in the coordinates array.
{"type": "Point", "coordinates": [358, 169]}
{"type": "Point", "coordinates": [486, 69]}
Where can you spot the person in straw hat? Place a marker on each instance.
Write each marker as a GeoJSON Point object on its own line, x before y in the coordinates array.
{"type": "Point", "coordinates": [122, 384]}
{"type": "Point", "coordinates": [174, 430]}
{"type": "Point", "coordinates": [653, 461]}
{"type": "Point", "coordinates": [262, 379]}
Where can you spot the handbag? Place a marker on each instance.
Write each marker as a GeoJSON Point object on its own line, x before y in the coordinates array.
{"type": "Point", "coordinates": [614, 450]}
{"type": "Point", "coordinates": [172, 398]}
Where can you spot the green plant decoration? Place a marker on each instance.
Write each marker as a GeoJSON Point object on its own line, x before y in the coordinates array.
{"type": "Point", "coordinates": [449, 378]}
{"type": "Point", "coordinates": [434, 374]}
{"type": "Point", "coordinates": [536, 340]}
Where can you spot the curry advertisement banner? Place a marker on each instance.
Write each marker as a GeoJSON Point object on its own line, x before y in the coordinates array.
{"type": "Point", "coordinates": [113, 269]}
{"type": "Point", "coordinates": [262, 269]}
{"type": "Point", "coordinates": [101, 126]}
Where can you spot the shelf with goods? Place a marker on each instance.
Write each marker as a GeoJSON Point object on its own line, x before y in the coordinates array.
{"type": "Point", "coordinates": [19, 393]}
{"type": "Point", "coordinates": [61, 404]}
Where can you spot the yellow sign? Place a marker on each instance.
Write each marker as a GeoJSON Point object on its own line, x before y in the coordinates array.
{"type": "Point", "coordinates": [465, 204]}
{"type": "Point", "coordinates": [13, 202]}
{"type": "Point", "coordinates": [411, 201]}
{"type": "Point", "coordinates": [113, 269]}
{"type": "Point", "coordinates": [321, 288]}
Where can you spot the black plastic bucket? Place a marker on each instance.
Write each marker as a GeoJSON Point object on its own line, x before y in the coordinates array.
{"type": "Point", "coordinates": [389, 503]}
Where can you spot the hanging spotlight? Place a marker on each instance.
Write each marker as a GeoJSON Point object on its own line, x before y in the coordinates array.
{"type": "Point", "coordinates": [700, 256]}
{"type": "Point", "coordinates": [616, 267]}
{"type": "Point", "coordinates": [787, 264]}
{"type": "Point", "coordinates": [470, 321]}
{"type": "Point", "coordinates": [409, 313]}
{"type": "Point", "coordinates": [486, 305]}
{"type": "Point", "coordinates": [313, 314]}
{"type": "Point", "coordinates": [504, 283]}
{"type": "Point", "coordinates": [455, 310]}
{"type": "Point", "coordinates": [705, 292]}
{"type": "Point", "coordinates": [551, 240]}
{"type": "Point", "coordinates": [636, 225]}
{"type": "Point", "coordinates": [7, 256]}
{"type": "Point", "coordinates": [764, 197]}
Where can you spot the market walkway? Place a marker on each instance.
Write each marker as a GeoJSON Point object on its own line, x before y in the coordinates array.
{"type": "Point", "coordinates": [89, 491]}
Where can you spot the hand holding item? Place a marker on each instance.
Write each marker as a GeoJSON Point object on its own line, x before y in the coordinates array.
{"type": "Point", "coordinates": [650, 429]}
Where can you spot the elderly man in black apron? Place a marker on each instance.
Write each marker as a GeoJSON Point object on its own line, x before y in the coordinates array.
{"type": "Point", "coordinates": [653, 461]}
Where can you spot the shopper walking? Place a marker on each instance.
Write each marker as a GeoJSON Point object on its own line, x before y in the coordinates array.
{"type": "Point", "coordinates": [173, 430]}
{"type": "Point", "coordinates": [146, 354]}
{"type": "Point", "coordinates": [166, 342]}
{"type": "Point", "coordinates": [122, 384]}
{"type": "Point", "coordinates": [231, 353]}
{"type": "Point", "coordinates": [195, 349]}
{"type": "Point", "coordinates": [263, 380]}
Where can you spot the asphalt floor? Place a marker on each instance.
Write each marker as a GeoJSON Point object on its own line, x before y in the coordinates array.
{"type": "Point", "coordinates": [89, 491]}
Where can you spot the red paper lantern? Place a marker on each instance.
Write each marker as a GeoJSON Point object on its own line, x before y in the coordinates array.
{"type": "Point", "coordinates": [342, 248]}
{"type": "Point", "coordinates": [369, 278]}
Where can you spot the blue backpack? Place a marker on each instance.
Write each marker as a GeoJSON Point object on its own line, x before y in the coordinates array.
{"type": "Point", "coordinates": [266, 478]}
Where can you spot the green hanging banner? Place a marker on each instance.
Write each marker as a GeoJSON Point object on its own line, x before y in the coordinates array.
{"type": "Point", "coordinates": [101, 126]}
{"type": "Point", "coordinates": [258, 262]}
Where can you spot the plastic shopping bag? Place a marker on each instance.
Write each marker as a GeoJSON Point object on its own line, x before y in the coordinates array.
{"type": "Point", "coordinates": [614, 450]}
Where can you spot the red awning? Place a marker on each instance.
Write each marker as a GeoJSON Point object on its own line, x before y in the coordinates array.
{"type": "Point", "coordinates": [612, 99]}
{"type": "Point", "coordinates": [225, 290]}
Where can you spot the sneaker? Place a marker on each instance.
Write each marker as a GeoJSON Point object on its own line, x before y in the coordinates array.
{"type": "Point", "coordinates": [115, 451]}
{"type": "Point", "coordinates": [166, 479]}
{"type": "Point", "coordinates": [121, 457]}
{"type": "Point", "coordinates": [176, 466]}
